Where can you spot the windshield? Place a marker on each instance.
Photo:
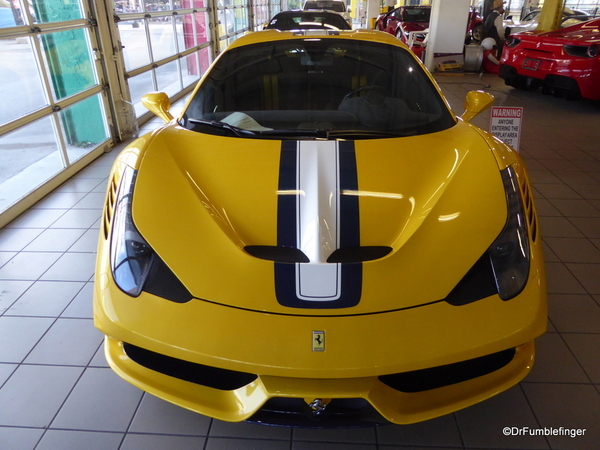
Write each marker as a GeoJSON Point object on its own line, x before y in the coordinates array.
{"type": "Point", "coordinates": [333, 85]}
{"type": "Point", "coordinates": [328, 5]}
{"type": "Point", "coordinates": [304, 20]}
{"type": "Point", "coordinates": [417, 14]}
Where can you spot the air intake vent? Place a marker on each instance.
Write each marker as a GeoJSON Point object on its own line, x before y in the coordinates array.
{"type": "Point", "coordinates": [212, 377]}
{"type": "Point", "coordinates": [109, 207]}
{"type": "Point", "coordinates": [277, 254]}
{"type": "Point", "coordinates": [359, 254]}
{"type": "Point", "coordinates": [341, 255]}
{"type": "Point", "coordinates": [440, 376]}
{"type": "Point", "coordinates": [529, 210]}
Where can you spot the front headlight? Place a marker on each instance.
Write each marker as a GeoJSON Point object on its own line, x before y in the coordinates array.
{"type": "Point", "coordinates": [510, 252]}
{"type": "Point", "coordinates": [130, 254]}
{"type": "Point", "coordinates": [134, 264]}
{"type": "Point", "coordinates": [504, 268]}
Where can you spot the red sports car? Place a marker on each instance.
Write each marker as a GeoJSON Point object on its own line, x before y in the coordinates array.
{"type": "Point", "coordinates": [406, 19]}
{"type": "Point", "coordinates": [401, 21]}
{"type": "Point", "coordinates": [564, 62]}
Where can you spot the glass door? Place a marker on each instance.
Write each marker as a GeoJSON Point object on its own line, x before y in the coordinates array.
{"type": "Point", "coordinates": [54, 108]}
{"type": "Point", "coordinates": [165, 45]}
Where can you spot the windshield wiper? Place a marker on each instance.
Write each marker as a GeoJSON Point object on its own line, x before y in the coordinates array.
{"type": "Point", "coordinates": [223, 125]}
{"type": "Point", "coordinates": [319, 134]}
{"type": "Point", "coordinates": [242, 132]}
{"type": "Point", "coordinates": [296, 133]}
{"type": "Point", "coordinates": [369, 133]}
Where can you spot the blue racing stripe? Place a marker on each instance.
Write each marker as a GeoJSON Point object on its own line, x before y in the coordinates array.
{"type": "Point", "coordinates": [285, 273]}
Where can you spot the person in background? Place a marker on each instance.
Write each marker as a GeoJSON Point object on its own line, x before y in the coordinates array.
{"type": "Point", "coordinates": [486, 9]}
{"type": "Point", "coordinates": [489, 61]}
{"type": "Point", "coordinates": [494, 25]}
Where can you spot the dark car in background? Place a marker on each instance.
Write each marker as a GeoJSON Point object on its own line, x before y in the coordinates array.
{"type": "Point", "coordinates": [307, 20]}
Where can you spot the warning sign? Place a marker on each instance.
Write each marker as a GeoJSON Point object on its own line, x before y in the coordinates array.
{"type": "Point", "coordinates": [506, 124]}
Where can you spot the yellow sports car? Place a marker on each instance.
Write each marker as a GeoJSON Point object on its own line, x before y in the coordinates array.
{"type": "Point", "coordinates": [318, 239]}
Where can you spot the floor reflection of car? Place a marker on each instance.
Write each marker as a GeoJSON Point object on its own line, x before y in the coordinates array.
{"type": "Point", "coordinates": [564, 62]}
{"type": "Point", "coordinates": [338, 6]}
{"type": "Point", "coordinates": [319, 240]}
{"type": "Point", "coordinates": [532, 20]}
{"type": "Point", "coordinates": [303, 20]}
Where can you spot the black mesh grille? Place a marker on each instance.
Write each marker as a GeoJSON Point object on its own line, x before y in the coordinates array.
{"type": "Point", "coordinates": [436, 377]}
{"type": "Point", "coordinates": [339, 413]}
{"type": "Point", "coordinates": [213, 377]}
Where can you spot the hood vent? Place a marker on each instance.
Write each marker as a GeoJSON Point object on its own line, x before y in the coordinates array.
{"type": "Point", "coordinates": [294, 255]}
{"type": "Point", "coordinates": [359, 254]}
{"type": "Point", "coordinates": [277, 254]}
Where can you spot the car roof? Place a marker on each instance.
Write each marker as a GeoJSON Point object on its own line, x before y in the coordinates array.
{"type": "Point", "coordinates": [277, 35]}
{"type": "Point", "coordinates": [325, 17]}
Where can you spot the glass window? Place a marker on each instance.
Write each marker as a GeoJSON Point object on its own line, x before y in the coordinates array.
{"type": "Point", "coordinates": [168, 79]}
{"type": "Point", "coordinates": [134, 42]}
{"type": "Point", "coordinates": [162, 37]}
{"type": "Point", "coordinates": [29, 156]}
{"type": "Point", "coordinates": [195, 65]}
{"type": "Point", "coordinates": [68, 58]}
{"type": "Point", "coordinates": [47, 11]}
{"type": "Point", "coordinates": [358, 88]}
{"type": "Point", "coordinates": [138, 86]}
{"type": "Point", "coordinates": [21, 89]}
{"type": "Point", "coordinates": [84, 127]}
{"type": "Point", "coordinates": [9, 17]}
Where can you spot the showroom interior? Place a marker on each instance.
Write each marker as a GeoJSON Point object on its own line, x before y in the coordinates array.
{"type": "Point", "coordinates": [73, 75]}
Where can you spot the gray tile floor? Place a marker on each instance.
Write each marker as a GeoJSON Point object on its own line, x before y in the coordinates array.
{"type": "Point", "coordinates": [57, 393]}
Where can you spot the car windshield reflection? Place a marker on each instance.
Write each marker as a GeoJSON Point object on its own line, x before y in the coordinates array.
{"type": "Point", "coordinates": [362, 88]}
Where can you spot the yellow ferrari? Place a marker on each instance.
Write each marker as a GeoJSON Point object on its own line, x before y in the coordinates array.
{"type": "Point", "coordinates": [318, 239]}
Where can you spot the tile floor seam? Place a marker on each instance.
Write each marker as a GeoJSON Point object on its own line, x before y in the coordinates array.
{"type": "Point", "coordinates": [533, 412]}
{"type": "Point", "coordinates": [576, 358]}
{"type": "Point", "coordinates": [137, 408]}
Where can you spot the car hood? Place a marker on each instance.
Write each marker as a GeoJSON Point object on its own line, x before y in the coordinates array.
{"type": "Point", "coordinates": [213, 207]}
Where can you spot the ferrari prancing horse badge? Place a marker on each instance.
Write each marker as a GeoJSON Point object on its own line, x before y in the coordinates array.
{"type": "Point", "coordinates": [318, 341]}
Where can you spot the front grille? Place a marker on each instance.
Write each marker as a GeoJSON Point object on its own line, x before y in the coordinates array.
{"type": "Point", "coordinates": [213, 377]}
{"type": "Point", "coordinates": [339, 413]}
{"type": "Point", "coordinates": [437, 377]}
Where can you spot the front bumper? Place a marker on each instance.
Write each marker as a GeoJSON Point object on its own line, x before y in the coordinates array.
{"type": "Point", "coordinates": [284, 400]}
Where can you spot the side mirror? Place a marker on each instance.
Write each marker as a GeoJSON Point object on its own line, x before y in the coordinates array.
{"type": "Point", "coordinates": [159, 104]}
{"type": "Point", "coordinates": [475, 103]}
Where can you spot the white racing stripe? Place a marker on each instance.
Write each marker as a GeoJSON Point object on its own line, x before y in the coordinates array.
{"type": "Point", "coordinates": [317, 213]}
